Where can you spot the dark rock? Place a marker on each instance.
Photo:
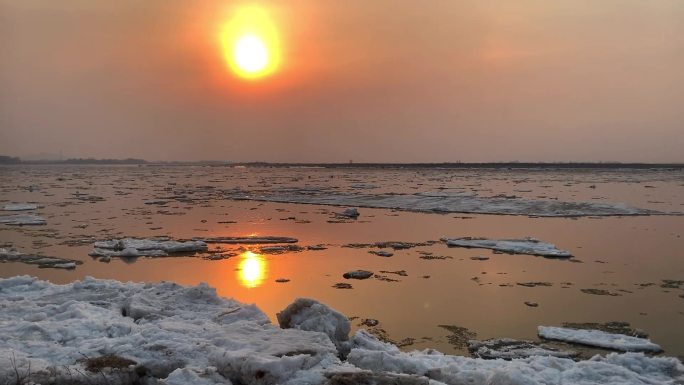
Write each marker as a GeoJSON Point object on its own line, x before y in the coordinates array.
{"type": "Point", "coordinates": [358, 274]}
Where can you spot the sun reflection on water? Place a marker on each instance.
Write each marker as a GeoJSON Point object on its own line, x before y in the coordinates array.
{"type": "Point", "coordinates": [252, 270]}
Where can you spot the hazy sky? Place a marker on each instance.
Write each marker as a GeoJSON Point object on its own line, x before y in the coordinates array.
{"type": "Point", "coordinates": [372, 81]}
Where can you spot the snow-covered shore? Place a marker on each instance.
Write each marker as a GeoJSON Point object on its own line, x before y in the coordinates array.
{"type": "Point", "coordinates": [169, 334]}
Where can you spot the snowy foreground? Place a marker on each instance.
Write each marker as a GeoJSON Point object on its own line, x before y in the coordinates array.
{"type": "Point", "coordinates": [169, 334]}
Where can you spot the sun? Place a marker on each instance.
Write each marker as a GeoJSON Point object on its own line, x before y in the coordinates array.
{"type": "Point", "coordinates": [250, 43]}
{"type": "Point", "coordinates": [252, 270]}
{"type": "Point", "coordinates": [251, 54]}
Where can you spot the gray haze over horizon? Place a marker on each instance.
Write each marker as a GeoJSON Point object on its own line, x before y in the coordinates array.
{"type": "Point", "coordinates": [380, 81]}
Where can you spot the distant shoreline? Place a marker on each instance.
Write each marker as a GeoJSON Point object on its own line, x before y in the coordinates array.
{"type": "Point", "coordinates": [446, 165]}
{"type": "Point", "coordinates": [487, 165]}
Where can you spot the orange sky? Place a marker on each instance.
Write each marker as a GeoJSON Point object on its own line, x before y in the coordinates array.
{"type": "Point", "coordinates": [372, 81]}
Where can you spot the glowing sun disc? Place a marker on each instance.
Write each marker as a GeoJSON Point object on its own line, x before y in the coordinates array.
{"type": "Point", "coordinates": [251, 54]}
{"type": "Point", "coordinates": [252, 270]}
{"type": "Point", "coordinates": [250, 43]}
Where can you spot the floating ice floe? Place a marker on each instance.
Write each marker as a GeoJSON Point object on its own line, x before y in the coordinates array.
{"type": "Point", "coordinates": [20, 207]}
{"type": "Point", "coordinates": [388, 244]}
{"type": "Point", "coordinates": [508, 348]}
{"type": "Point", "coordinates": [599, 339]}
{"type": "Point", "coordinates": [22, 220]}
{"type": "Point", "coordinates": [158, 202]}
{"type": "Point", "coordinates": [527, 245]}
{"type": "Point", "coordinates": [169, 334]}
{"type": "Point", "coordinates": [247, 240]}
{"type": "Point", "coordinates": [349, 213]}
{"type": "Point", "coordinates": [11, 255]}
{"type": "Point", "coordinates": [152, 247]}
{"type": "Point", "coordinates": [281, 249]}
{"type": "Point", "coordinates": [442, 202]}
{"type": "Point", "coordinates": [617, 327]}
{"type": "Point", "coordinates": [381, 253]}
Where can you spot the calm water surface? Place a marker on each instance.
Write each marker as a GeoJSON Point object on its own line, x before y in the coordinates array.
{"type": "Point", "coordinates": [629, 256]}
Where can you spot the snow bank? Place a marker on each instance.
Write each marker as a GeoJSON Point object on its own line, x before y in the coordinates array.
{"type": "Point", "coordinates": [527, 245]}
{"type": "Point", "coordinates": [153, 247]}
{"type": "Point", "coordinates": [12, 255]}
{"type": "Point", "coordinates": [162, 327]}
{"type": "Point", "coordinates": [22, 220]}
{"type": "Point", "coordinates": [599, 338]}
{"type": "Point", "coordinates": [188, 335]}
{"type": "Point", "coordinates": [441, 202]}
{"type": "Point", "coordinates": [20, 207]}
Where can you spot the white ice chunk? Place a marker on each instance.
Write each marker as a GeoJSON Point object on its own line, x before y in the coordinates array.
{"type": "Point", "coordinates": [20, 206]}
{"type": "Point", "coordinates": [527, 245]}
{"type": "Point", "coordinates": [188, 376]}
{"type": "Point", "coordinates": [22, 220]}
{"type": "Point", "coordinates": [364, 340]}
{"type": "Point", "coordinates": [349, 213]}
{"type": "Point", "coordinates": [153, 247]}
{"type": "Point", "coordinates": [67, 265]}
{"type": "Point", "coordinates": [599, 338]}
{"type": "Point", "coordinates": [311, 315]}
{"type": "Point", "coordinates": [12, 255]}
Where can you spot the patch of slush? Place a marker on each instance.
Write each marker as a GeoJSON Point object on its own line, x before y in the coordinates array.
{"type": "Point", "coordinates": [527, 245]}
{"type": "Point", "coordinates": [22, 220]}
{"type": "Point", "coordinates": [180, 335]}
{"type": "Point", "coordinates": [20, 207]}
{"type": "Point", "coordinates": [442, 202]}
{"type": "Point", "coordinates": [152, 247]}
{"type": "Point", "coordinates": [599, 338]}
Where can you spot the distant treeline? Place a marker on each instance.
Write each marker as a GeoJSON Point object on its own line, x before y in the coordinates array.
{"type": "Point", "coordinates": [9, 159]}
{"type": "Point", "coordinates": [92, 161]}
{"type": "Point", "coordinates": [488, 165]}
{"type": "Point", "coordinates": [15, 160]}
{"type": "Point", "coordinates": [448, 165]}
